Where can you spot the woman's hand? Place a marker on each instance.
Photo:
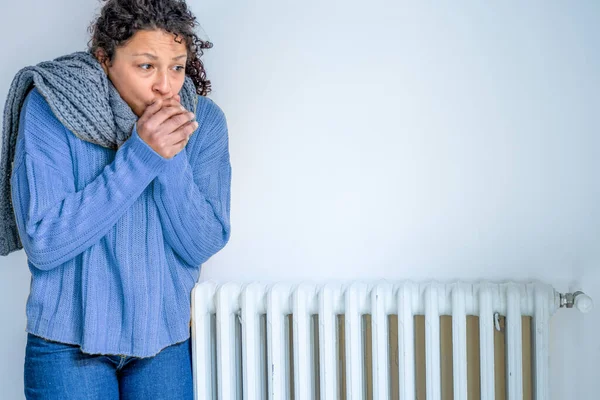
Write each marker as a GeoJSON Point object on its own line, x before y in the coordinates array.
{"type": "Point", "coordinates": [166, 126]}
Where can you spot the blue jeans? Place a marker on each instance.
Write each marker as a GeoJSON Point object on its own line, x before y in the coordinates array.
{"type": "Point", "coordinates": [61, 371]}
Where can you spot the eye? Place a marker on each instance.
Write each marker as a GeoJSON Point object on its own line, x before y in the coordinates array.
{"type": "Point", "coordinates": [178, 68]}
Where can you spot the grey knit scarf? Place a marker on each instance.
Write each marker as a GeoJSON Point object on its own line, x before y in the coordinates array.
{"type": "Point", "coordinates": [84, 100]}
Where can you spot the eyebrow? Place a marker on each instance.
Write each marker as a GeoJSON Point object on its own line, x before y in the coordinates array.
{"type": "Point", "coordinates": [153, 57]}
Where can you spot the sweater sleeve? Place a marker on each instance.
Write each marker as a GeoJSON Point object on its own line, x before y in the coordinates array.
{"type": "Point", "coordinates": [192, 192]}
{"type": "Point", "coordinates": [56, 222]}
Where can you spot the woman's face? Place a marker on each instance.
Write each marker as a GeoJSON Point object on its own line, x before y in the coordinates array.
{"type": "Point", "coordinates": [150, 66]}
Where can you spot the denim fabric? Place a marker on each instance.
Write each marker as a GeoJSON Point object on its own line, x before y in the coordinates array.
{"type": "Point", "coordinates": [61, 371]}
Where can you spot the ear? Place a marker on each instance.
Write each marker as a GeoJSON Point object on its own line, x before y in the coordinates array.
{"type": "Point", "coordinates": [100, 55]}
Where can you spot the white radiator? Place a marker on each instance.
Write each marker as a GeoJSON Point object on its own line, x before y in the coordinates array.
{"type": "Point", "coordinates": [240, 354]}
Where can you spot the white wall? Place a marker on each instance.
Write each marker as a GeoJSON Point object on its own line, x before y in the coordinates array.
{"type": "Point", "coordinates": [387, 139]}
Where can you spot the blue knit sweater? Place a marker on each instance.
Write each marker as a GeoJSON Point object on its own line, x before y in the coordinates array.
{"type": "Point", "coordinates": [115, 239]}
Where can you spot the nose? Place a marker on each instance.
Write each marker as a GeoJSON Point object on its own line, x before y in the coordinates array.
{"type": "Point", "coordinates": [162, 85]}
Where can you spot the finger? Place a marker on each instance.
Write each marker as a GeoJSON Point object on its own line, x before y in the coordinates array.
{"type": "Point", "coordinates": [178, 121]}
{"type": "Point", "coordinates": [152, 109]}
{"type": "Point", "coordinates": [169, 110]}
{"type": "Point", "coordinates": [175, 100]}
{"type": "Point", "coordinates": [183, 133]}
{"type": "Point", "coordinates": [172, 102]}
{"type": "Point", "coordinates": [182, 143]}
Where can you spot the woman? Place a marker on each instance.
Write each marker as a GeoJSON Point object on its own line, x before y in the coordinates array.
{"type": "Point", "coordinates": [119, 190]}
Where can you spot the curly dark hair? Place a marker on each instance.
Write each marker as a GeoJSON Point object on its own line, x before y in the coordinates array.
{"type": "Point", "coordinates": [119, 20]}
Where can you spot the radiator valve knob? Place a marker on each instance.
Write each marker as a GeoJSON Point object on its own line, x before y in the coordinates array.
{"type": "Point", "coordinates": [583, 302]}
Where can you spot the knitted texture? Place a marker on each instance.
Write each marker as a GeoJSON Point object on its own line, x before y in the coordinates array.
{"type": "Point", "coordinates": [84, 100]}
{"type": "Point", "coordinates": [115, 239]}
